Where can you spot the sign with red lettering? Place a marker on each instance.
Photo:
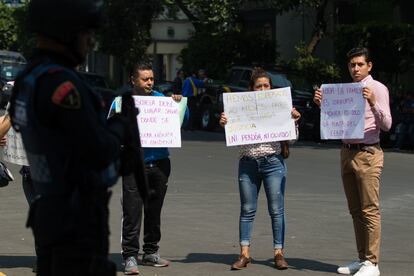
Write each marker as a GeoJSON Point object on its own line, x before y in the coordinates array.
{"type": "Point", "coordinates": [342, 111]}
{"type": "Point", "coordinates": [259, 117]}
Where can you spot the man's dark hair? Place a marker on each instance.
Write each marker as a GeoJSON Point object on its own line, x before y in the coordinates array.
{"type": "Point", "coordinates": [179, 71]}
{"type": "Point", "coordinates": [140, 66]}
{"type": "Point", "coordinates": [358, 52]}
{"type": "Point", "coordinates": [258, 73]}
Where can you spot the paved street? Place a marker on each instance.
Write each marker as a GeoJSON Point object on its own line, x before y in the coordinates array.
{"type": "Point", "coordinates": [200, 215]}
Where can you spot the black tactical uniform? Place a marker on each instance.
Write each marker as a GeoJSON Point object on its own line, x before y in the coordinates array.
{"type": "Point", "coordinates": [73, 154]}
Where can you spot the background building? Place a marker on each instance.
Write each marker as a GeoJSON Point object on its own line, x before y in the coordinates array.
{"type": "Point", "coordinates": [169, 37]}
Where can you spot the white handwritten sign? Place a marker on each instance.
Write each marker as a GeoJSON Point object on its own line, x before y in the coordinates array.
{"type": "Point", "coordinates": [158, 121]}
{"type": "Point", "coordinates": [259, 117]}
{"type": "Point", "coordinates": [13, 151]}
{"type": "Point", "coordinates": [342, 111]}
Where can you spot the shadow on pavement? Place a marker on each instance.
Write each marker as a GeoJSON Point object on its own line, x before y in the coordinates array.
{"type": "Point", "coordinates": [228, 259]}
{"type": "Point", "coordinates": [28, 261]}
{"type": "Point", "coordinates": [117, 259]}
{"type": "Point", "coordinates": [17, 261]}
{"type": "Point", "coordinates": [209, 258]}
{"type": "Point", "coordinates": [305, 264]}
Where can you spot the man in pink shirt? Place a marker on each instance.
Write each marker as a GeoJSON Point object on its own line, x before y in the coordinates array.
{"type": "Point", "coordinates": [361, 166]}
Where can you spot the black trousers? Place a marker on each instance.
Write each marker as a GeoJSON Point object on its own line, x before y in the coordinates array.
{"type": "Point", "coordinates": [133, 206]}
{"type": "Point", "coordinates": [28, 189]}
{"type": "Point", "coordinates": [72, 240]}
{"type": "Point", "coordinates": [73, 259]}
{"type": "Point", "coordinates": [192, 107]}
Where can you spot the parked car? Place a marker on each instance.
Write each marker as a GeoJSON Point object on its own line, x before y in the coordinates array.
{"type": "Point", "coordinates": [14, 3]}
{"type": "Point", "coordinates": [302, 100]}
{"type": "Point", "coordinates": [210, 103]}
{"type": "Point", "coordinates": [11, 63]}
{"type": "Point", "coordinates": [8, 73]}
{"type": "Point", "coordinates": [10, 56]}
{"type": "Point", "coordinates": [165, 87]}
{"type": "Point", "coordinates": [100, 85]}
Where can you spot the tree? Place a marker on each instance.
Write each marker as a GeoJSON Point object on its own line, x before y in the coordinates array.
{"type": "Point", "coordinates": [213, 15]}
{"type": "Point", "coordinates": [127, 32]}
{"type": "Point", "coordinates": [303, 7]}
{"type": "Point", "coordinates": [391, 45]}
{"type": "Point", "coordinates": [26, 41]}
{"type": "Point", "coordinates": [219, 36]}
{"type": "Point", "coordinates": [219, 19]}
{"type": "Point", "coordinates": [7, 27]}
{"type": "Point", "coordinates": [313, 68]}
{"type": "Point", "coordinates": [216, 53]}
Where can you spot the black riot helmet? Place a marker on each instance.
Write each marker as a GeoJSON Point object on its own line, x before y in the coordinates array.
{"type": "Point", "coordinates": [63, 19]}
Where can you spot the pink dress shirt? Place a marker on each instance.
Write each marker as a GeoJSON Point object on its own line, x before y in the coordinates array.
{"type": "Point", "coordinates": [377, 117]}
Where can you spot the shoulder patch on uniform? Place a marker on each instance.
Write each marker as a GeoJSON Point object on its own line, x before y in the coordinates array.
{"type": "Point", "coordinates": [67, 96]}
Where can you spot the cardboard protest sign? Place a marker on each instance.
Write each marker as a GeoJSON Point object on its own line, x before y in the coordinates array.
{"type": "Point", "coordinates": [13, 151]}
{"type": "Point", "coordinates": [342, 111]}
{"type": "Point", "coordinates": [259, 117]}
{"type": "Point", "coordinates": [158, 121]}
{"type": "Point", "coordinates": [182, 107]}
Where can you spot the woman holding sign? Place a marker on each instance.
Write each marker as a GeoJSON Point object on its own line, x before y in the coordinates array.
{"type": "Point", "coordinates": [259, 163]}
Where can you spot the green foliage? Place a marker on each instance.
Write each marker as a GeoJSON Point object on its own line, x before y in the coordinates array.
{"type": "Point", "coordinates": [391, 46]}
{"type": "Point", "coordinates": [26, 40]}
{"type": "Point", "coordinates": [218, 42]}
{"type": "Point", "coordinates": [220, 38]}
{"type": "Point", "coordinates": [7, 27]}
{"type": "Point", "coordinates": [213, 15]}
{"type": "Point", "coordinates": [287, 5]}
{"type": "Point", "coordinates": [217, 53]}
{"type": "Point", "coordinates": [14, 35]}
{"type": "Point", "coordinates": [312, 68]}
{"type": "Point", "coordinates": [127, 34]}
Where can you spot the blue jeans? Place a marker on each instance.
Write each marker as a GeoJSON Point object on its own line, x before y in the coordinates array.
{"type": "Point", "coordinates": [271, 170]}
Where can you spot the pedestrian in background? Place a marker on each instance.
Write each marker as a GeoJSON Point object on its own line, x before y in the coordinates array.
{"type": "Point", "coordinates": [191, 88]}
{"type": "Point", "coordinates": [405, 129]}
{"type": "Point", "coordinates": [361, 166]}
{"type": "Point", "coordinates": [72, 150]}
{"type": "Point", "coordinates": [262, 163]}
{"type": "Point", "coordinates": [178, 82]}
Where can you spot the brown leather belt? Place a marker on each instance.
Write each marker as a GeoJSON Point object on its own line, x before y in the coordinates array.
{"type": "Point", "coordinates": [358, 146]}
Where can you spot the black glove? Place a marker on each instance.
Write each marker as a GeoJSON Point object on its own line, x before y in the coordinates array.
{"type": "Point", "coordinates": [119, 125]}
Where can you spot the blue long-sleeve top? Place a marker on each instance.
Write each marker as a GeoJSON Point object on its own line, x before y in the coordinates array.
{"type": "Point", "coordinates": [153, 154]}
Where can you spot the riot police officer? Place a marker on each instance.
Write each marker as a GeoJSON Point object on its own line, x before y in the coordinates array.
{"type": "Point", "coordinates": [72, 150]}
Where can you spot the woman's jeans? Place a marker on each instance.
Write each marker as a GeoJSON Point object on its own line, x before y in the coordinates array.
{"type": "Point", "coordinates": [271, 170]}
